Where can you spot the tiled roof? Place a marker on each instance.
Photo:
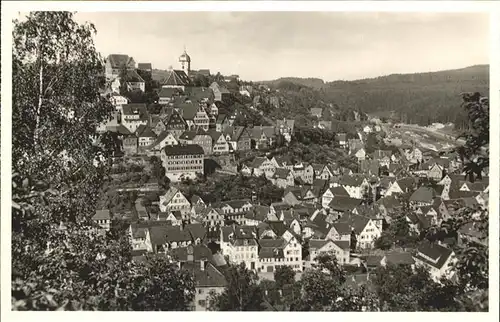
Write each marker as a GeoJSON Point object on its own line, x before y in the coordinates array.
{"type": "Point", "coordinates": [133, 77]}
{"type": "Point", "coordinates": [187, 149]}
{"type": "Point", "coordinates": [167, 92]}
{"type": "Point", "coordinates": [399, 258]}
{"type": "Point", "coordinates": [144, 131]}
{"type": "Point", "coordinates": [352, 180]}
{"type": "Point", "coordinates": [166, 234]}
{"type": "Point", "coordinates": [135, 108]}
{"type": "Point", "coordinates": [434, 251]}
{"type": "Point", "coordinates": [356, 222]}
{"type": "Point", "coordinates": [119, 61]}
{"type": "Point", "coordinates": [210, 276]}
{"type": "Point", "coordinates": [169, 194]}
{"type": "Point", "coordinates": [199, 252]}
{"type": "Point", "coordinates": [281, 173]}
{"type": "Point", "coordinates": [188, 135]}
{"type": "Point", "coordinates": [342, 228]}
{"type": "Point", "coordinates": [423, 194]}
{"type": "Point", "coordinates": [176, 78]}
{"type": "Point", "coordinates": [344, 203]}
{"type": "Point", "coordinates": [343, 244]}
{"type": "Point", "coordinates": [188, 110]}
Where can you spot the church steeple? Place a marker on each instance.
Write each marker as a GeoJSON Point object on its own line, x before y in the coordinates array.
{"type": "Point", "coordinates": [185, 61]}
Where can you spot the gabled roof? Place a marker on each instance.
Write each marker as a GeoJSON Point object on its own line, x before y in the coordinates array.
{"type": "Point", "coordinates": [144, 131]}
{"type": "Point", "coordinates": [339, 191]}
{"type": "Point", "coordinates": [171, 192]}
{"type": "Point", "coordinates": [199, 252]}
{"type": "Point", "coordinates": [406, 183]}
{"type": "Point", "coordinates": [120, 61]}
{"type": "Point", "coordinates": [187, 149]}
{"type": "Point", "coordinates": [166, 234]}
{"type": "Point", "coordinates": [168, 92]}
{"type": "Point", "coordinates": [209, 276]}
{"type": "Point", "coordinates": [176, 78]}
{"type": "Point", "coordinates": [281, 173]}
{"type": "Point", "coordinates": [356, 222]}
{"type": "Point", "coordinates": [133, 77]}
{"type": "Point", "coordinates": [187, 135]}
{"type": "Point", "coordinates": [399, 258]}
{"type": "Point", "coordinates": [257, 162]}
{"type": "Point", "coordinates": [437, 253]}
{"type": "Point", "coordinates": [423, 194]}
{"type": "Point", "coordinates": [342, 228]}
{"type": "Point", "coordinates": [258, 213]}
{"type": "Point", "coordinates": [344, 203]}
{"type": "Point", "coordinates": [352, 180]}
{"type": "Point", "coordinates": [134, 109]}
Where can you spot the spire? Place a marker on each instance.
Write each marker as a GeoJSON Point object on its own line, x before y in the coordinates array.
{"type": "Point", "coordinates": [184, 49]}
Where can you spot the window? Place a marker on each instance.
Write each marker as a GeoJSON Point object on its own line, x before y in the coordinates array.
{"type": "Point", "coordinates": [202, 303]}
{"type": "Point", "coordinates": [200, 291]}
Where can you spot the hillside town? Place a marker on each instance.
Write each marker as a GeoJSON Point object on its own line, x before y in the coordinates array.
{"type": "Point", "coordinates": [192, 138]}
{"type": "Point", "coordinates": [206, 187]}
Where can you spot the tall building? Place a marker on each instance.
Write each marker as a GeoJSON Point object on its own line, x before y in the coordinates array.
{"type": "Point", "coordinates": [182, 161]}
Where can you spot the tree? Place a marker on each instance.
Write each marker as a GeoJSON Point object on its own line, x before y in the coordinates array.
{"type": "Point", "coordinates": [284, 275]}
{"type": "Point", "coordinates": [59, 259]}
{"type": "Point", "coordinates": [241, 294]}
{"type": "Point", "coordinates": [322, 286]}
{"type": "Point", "coordinates": [384, 242]}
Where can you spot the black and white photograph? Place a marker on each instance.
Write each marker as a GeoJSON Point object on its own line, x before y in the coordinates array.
{"type": "Point", "coordinates": [326, 161]}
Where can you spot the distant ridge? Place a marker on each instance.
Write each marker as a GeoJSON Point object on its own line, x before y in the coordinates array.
{"type": "Point", "coordinates": [475, 72]}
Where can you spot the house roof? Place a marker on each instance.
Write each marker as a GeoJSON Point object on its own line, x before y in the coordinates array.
{"type": "Point", "coordinates": [168, 92]}
{"type": "Point", "coordinates": [171, 192]}
{"type": "Point", "coordinates": [356, 222]}
{"type": "Point", "coordinates": [339, 191]}
{"type": "Point", "coordinates": [344, 203]}
{"type": "Point", "coordinates": [161, 235]}
{"type": "Point", "coordinates": [258, 213]}
{"type": "Point", "coordinates": [423, 194]}
{"type": "Point", "coordinates": [133, 77]}
{"type": "Point", "coordinates": [380, 154]}
{"type": "Point", "coordinates": [144, 131]}
{"type": "Point", "coordinates": [102, 214]}
{"type": "Point", "coordinates": [406, 184]}
{"type": "Point", "coordinates": [188, 135]}
{"type": "Point", "coordinates": [187, 149]}
{"type": "Point", "coordinates": [176, 78]}
{"type": "Point", "coordinates": [281, 173]}
{"type": "Point", "coordinates": [196, 199]}
{"type": "Point", "coordinates": [236, 204]}
{"type": "Point", "coordinates": [342, 228]}
{"type": "Point", "coordinates": [120, 61]}
{"type": "Point", "coordinates": [199, 252]}
{"type": "Point", "coordinates": [210, 276]}
{"type": "Point", "coordinates": [317, 243]}
{"type": "Point", "coordinates": [278, 227]}
{"type": "Point", "coordinates": [352, 180]}
{"type": "Point", "coordinates": [257, 162]}
{"type": "Point", "coordinates": [399, 258]}
{"type": "Point", "coordinates": [437, 253]}
{"type": "Point", "coordinates": [144, 66]}
{"type": "Point", "coordinates": [134, 109]}
{"type": "Point", "coordinates": [343, 244]}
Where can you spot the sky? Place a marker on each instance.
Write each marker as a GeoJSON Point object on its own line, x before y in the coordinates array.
{"type": "Point", "coordinates": [268, 45]}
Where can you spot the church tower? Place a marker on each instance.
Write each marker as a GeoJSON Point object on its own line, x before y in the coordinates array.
{"type": "Point", "coordinates": [185, 62]}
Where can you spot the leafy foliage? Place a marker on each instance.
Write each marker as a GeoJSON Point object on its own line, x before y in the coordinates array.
{"type": "Point", "coordinates": [60, 261]}
{"type": "Point", "coordinates": [242, 293]}
{"type": "Point", "coordinates": [284, 275]}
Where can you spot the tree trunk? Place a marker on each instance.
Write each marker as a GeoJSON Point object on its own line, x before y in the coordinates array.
{"type": "Point", "coordinates": [40, 100]}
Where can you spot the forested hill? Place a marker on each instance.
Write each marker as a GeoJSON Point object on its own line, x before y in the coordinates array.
{"type": "Point", "coordinates": [421, 98]}
{"type": "Point", "coordinates": [315, 83]}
